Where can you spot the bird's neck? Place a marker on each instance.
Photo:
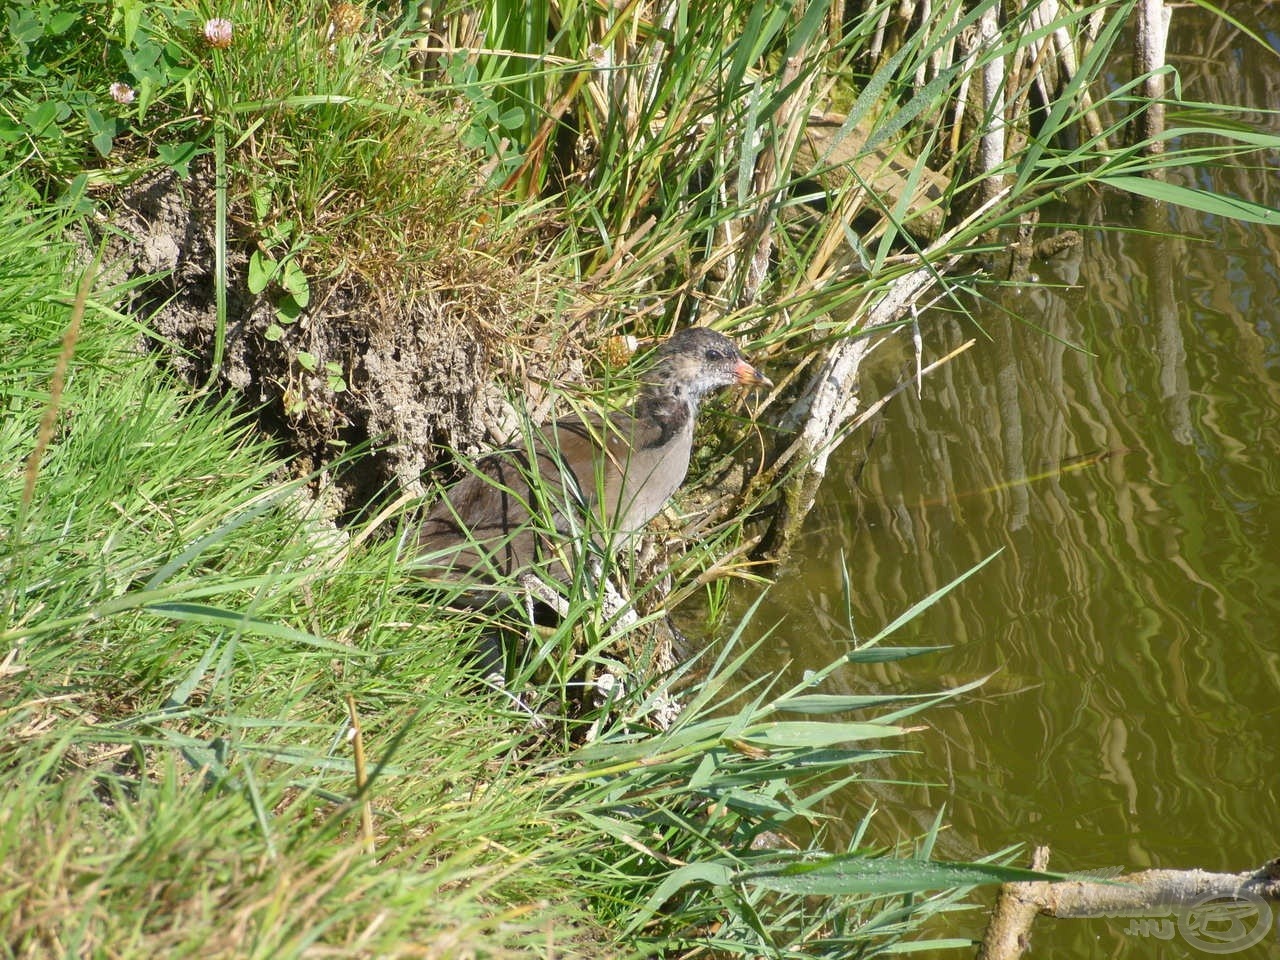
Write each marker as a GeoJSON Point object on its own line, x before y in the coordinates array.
{"type": "Point", "coordinates": [668, 409]}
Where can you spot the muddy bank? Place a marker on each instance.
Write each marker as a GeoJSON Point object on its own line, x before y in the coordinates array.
{"type": "Point", "coordinates": [414, 366]}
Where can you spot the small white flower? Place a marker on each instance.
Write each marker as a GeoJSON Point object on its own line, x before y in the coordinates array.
{"type": "Point", "coordinates": [217, 32]}
{"type": "Point", "coordinates": [122, 92]}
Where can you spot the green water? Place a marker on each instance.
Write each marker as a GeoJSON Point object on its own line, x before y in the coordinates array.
{"type": "Point", "coordinates": [1132, 622]}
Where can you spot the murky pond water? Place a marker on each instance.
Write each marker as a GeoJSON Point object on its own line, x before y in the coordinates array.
{"type": "Point", "coordinates": [1119, 440]}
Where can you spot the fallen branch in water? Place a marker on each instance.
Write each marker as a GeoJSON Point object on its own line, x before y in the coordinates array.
{"type": "Point", "coordinates": [1148, 893]}
{"type": "Point", "coordinates": [825, 413]}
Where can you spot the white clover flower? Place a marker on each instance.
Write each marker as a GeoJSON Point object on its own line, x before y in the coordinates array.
{"type": "Point", "coordinates": [217, 32]}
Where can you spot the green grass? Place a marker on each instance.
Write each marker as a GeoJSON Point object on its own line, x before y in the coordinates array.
{"type": "Point", "coordinates": [181, 635]}
{"type": "Point", "coordinates": [181, 632]}
{"type": "Point", "coordinates": [173, 743]}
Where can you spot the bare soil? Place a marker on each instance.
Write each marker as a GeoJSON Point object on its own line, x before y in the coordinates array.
{"type": "Point", "coordinates": [418, 368]}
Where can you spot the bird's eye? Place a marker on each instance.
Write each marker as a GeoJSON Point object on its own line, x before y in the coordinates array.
{"type": "Point", "coordinates": [715, 354]}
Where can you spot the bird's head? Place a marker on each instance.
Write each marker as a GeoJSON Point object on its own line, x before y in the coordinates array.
{"type": "Point", "coordinates": [698, 361]}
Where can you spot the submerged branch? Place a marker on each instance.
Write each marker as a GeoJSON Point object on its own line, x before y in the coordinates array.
{"type": "Point", "coordinates": [1144, 894]}
{"type": "Point", "coordinates": [826, 411]}
{"type": "Point", "coordinates": [1013, 915]}
{"type": "Point", "coordinates": [827, 406]}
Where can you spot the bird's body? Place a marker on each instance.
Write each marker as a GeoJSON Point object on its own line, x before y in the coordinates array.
{"type": "Point", "coordinates": [602, 477]}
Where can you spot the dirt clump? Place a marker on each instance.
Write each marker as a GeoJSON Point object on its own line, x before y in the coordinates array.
{"type": "Point", "coordinates": [412, 369]}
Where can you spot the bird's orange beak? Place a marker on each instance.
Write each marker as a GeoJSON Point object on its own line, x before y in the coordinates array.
{"type": "Point", "coordinates": [749, 376]}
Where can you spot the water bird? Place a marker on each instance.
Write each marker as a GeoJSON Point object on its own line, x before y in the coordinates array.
{"type": "Point", "coordinates": [606, 475]}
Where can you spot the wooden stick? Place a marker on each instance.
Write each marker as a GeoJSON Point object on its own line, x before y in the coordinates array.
{"type": "Point", "coordinates": [1148, 893]}
{"type": "Point", "coordinates": [1009, 932]}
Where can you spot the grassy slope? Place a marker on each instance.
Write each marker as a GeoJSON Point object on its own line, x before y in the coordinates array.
{"type": "Point", "coordinates": [179, 638]}
{"type": "Point", "coordinates": [168, 742]}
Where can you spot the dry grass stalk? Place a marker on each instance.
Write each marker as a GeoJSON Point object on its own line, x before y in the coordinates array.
{"type": "Point", "coordinates": [57, 382]}
{"type": "Point", "coordinates": [362, 777]}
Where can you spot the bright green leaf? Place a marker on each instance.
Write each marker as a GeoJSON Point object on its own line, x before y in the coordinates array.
{"type": "Point", "coordinates": [95, 120]}
{"type": "Point", "coordinates": [814, 734]}
{"type": "Point", "coordinates": [294, 279]}
{"type": "Point", "coordinates": [1216, 204]}
{"type": "Point", "coordinates": [10, 130]}
{"type": "Point", "coordinates": [102, 142]}
{"type": "Point", "coordinates": [60, 23]}
{"type": "Point", "coordinates": [262, 269]}
{"type": "Point", "coordinates": [839, 703]}
{"type": "Point", "coordinates": [132, 19]}
{"type": "Point", "coordinates": [851, 874]}
{"type": "Point", "coordinates": [261, 197]}
{"type": "Point", "coordinates": [178, 156]}
{"type": "Point", "coordinates": [222, 618]}
{"type": "Point", "coordinates": [24, 28]}
{"type": "Point", "coordinates": [279, 233]}
{"type": "Point", "coordinates": [511, 119]}
{"type": "Point", "coordinates": [714, 874]}
{"type": "Point", "coordinates": [287, 310]}
{"type": "Point", "coordinates": [40, 116]}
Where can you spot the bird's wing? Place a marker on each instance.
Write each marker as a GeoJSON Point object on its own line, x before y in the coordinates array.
{"type": "Point", "coordinates": [598, 476]}
{"type": "Point", "coordinates": [499, 521]}
{"type": "Point", "coordinates": [625, 467]}
{"type": "Point", "coordinates": [587, 458]}
{"type": "Point", "coordinates": [483, 524]}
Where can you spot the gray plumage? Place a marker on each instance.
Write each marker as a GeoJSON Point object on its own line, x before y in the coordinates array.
{"type": "Point", "coordinates": [605, 476]}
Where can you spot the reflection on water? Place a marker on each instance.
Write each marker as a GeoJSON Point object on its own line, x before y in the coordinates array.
{"type": "Point", "coordinates": [1131, 622]}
